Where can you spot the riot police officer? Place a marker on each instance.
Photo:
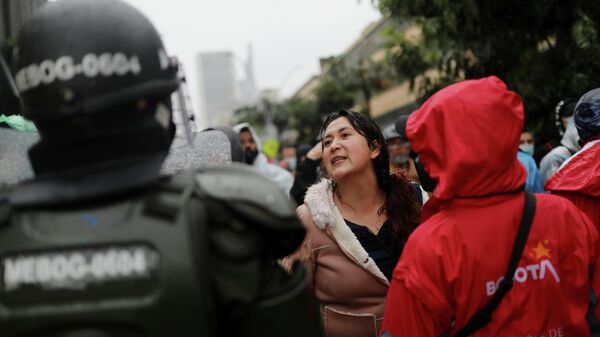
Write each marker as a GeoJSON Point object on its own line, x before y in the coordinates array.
{"type": "Point", "coordinates": [98, 243]}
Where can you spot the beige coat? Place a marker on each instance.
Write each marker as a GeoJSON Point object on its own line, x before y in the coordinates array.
{"type": "Point", "coordinates": [345, 279]}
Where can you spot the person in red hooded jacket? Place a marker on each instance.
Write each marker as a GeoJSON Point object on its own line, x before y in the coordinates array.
{"type": "Point", "coordinates": [467, 136]}
{"type": "Point", "coordinates": [578, 179]}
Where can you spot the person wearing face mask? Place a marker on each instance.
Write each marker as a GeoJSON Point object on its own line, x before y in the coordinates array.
{"type": "Point", "coordinates": [527, 143]}
{"type": "Point", "coordinates": [533, 183]}
{"type": "Point", "coordinates": [258, 160]}
{"type": "Point", "coordinates": [288, 158]}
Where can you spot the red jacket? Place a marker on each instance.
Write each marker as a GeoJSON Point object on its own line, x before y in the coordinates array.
{"type": "Point", "coordinates": [579, 181]}
{"type": "Point", "coordinates": [467, 136]}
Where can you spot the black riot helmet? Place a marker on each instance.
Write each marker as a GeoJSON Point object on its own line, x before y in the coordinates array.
{"type": "Point", "coordinates": [82, 57]}
{"type": "Point", "coordinates": [90, 72]}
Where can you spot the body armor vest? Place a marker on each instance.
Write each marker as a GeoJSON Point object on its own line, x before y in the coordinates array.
{"type": "Point", "coordinates": [170, 258]}
{"type": "Point", "coordinates": [115, 266]}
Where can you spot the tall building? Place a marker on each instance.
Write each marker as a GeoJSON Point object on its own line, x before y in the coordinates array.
{"type": "Point", "coordinates": [248, 90]}
{"type": "Point", "coordinates": [218, 87]}
{"type": "Point", "coordinates": [12, 15]}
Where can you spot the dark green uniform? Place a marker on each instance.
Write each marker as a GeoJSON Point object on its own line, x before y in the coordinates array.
{"type": "Point", "coordinates": [193, 254]}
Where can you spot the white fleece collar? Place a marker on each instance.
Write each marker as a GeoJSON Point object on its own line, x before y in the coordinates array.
{"type": "Point", "coordinates": [325, 214]}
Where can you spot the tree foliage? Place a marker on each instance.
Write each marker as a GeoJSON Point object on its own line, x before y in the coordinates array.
{"type": "Point", "coordinates": [333, 95]}
{"type": "Point", "coordinates": [346, 85]}
{"type": "Point", "coordinates": [302, 116]}
{"type": "Point", "coordinates": [545, 50]}
{"type": "Point", "coordinates": [293, 114]}
{"type": "Point", "coordinates": [252, 115]}
{"type": "Point", "coordinates": [342, 87]}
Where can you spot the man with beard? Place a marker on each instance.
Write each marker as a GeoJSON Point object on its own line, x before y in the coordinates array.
{"type": "Point", "coordinates": [258, 160]}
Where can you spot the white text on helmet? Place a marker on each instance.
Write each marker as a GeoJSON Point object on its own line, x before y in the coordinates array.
{"type": "Point", "coordinates": [64, 69]}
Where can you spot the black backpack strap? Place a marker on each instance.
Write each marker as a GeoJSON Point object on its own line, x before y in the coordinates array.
{"type": "Point", "coordinates": [484, 315]}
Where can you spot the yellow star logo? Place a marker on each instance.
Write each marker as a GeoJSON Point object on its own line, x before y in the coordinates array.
{"type": "Point", "coordinates": [541, 251]}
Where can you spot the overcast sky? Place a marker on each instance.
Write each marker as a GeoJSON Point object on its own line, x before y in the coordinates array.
{"type": "Point", "coordinates": [288, 36]}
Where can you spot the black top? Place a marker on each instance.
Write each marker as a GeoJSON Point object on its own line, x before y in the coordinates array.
{"type": "Point", "coordinates": [379, 247]}
{"type": "Point", "coordinates": [306, 175]}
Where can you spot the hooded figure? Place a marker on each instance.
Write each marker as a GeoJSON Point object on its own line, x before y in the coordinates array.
{"type": "Point", "coordinates": [467, 136]}
{"type": "Point", "coordinates": [578, 179]}
{"type": "Point", "coordinates": [258, 160]}
{"type": "Point", "coordinates": [552, 161]}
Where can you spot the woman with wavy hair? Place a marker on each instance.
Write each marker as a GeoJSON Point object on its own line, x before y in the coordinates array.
{"type": "Point", "coordinates": [357, 221]}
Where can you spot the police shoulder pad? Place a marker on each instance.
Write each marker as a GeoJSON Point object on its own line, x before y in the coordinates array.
{"type": "Point", "coordinates": [236, 183]}
{"type": "Point", "coordinates": [255, 199]}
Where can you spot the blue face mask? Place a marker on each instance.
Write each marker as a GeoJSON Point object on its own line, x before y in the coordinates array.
{"type": "Point", "coordinates": [527, 148]}
{"type": "Point", "coordinates": [570, 121]}
{"type": "Point", "coordinates": [292, 162]}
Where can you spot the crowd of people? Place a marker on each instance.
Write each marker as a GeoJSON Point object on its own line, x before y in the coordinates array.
{"type": "Point", "coordinates": [447, 223]}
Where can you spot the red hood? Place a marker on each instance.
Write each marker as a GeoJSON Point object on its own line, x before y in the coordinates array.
{"type": "Point", "coordinates": [467, 136]}
{"type": "Point", "coordinates": [581, 174]}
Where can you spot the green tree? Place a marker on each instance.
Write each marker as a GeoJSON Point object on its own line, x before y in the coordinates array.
{"type": "Point", "coordinates": [545, 50]}
{"type": "Point", "coordinates": [252, 115]}
{"type": "Point", "coordinates": [332, 95]}
{"type": "Point", "coordinates": [346, 85]}
{"type": "Point", "coordinates": [302, 116]}
{"type": "Point", "coordinates": [257, 115]}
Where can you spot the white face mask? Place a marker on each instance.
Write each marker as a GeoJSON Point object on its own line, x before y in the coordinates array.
{"type": "Point", "coordinates": [527, 148]}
